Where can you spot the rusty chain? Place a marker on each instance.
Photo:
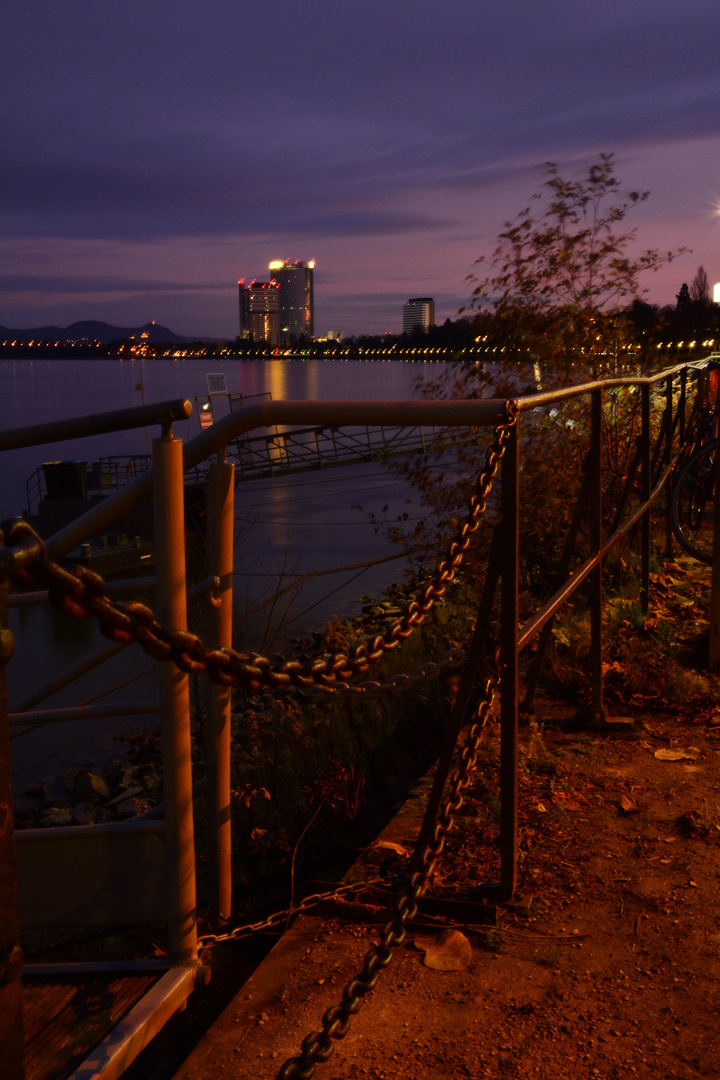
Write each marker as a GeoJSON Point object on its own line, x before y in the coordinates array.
{"type": "Point", "coordinates": [318, 1047]}
{"type": "Point", "coordinates": [79, 592]}
{"type": "Point", "coordinates": [280, 918]}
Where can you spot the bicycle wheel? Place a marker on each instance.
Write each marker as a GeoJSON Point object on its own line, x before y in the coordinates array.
{"type": "Point", "coordinates": [693, 504]}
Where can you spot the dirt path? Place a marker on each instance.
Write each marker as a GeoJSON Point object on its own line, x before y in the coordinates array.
{"type": "Point", "coordinates": [607, 966]}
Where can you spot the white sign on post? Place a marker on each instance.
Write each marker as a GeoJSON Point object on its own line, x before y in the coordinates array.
{"type": "Point", "coordinates": [216, 383]}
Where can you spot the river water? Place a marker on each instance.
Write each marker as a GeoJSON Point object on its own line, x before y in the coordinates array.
{"type": "Point", "coordinates": [287, 528]}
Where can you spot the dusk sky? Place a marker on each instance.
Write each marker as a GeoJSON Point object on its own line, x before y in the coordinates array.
{"type": "Point", "coordinates": [155, 151]}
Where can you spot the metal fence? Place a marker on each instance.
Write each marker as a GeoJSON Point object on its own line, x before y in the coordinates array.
{"type": "Point", "coordinates": [91, 865]}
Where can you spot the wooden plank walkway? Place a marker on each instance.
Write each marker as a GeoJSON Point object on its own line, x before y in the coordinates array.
{"type": "Point", "coordinates": [66, 1016]}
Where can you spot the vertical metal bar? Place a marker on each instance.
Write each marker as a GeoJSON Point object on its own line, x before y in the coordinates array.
{"type": "Point", "coordinates": [509, 609]}
{"type": "Point", "coordinates": [645, 521]}
{"type": "Point", "coordinates": [715, 578]}
{"type": "Point", "coordinates": [682, 404]}
{"type": "Point", "coordinates": [175, 701]}
{"type": "Point", "coordinates": [457, 716]}
{"type": "Point", "coordinates": [596, 578]}
{"type": "Point", "coordinates": [221, 508]}
{"type": "Point", "coordinates": [11, 1027]}
{"type": "Point", "coordinates": [533, 676]}
{"type": "Point", "coordinates": [667, 458]}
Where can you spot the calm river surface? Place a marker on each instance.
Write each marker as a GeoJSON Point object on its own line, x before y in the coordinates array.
{"type": "Point", "coordinates": [286, 528]}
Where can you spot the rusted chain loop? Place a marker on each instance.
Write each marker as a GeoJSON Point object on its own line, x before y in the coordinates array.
{"type": "Point", "coordinates": [81, 593]}
{"type": "Point", "coordinates": [205, 941]}
{"type": "Point", "coordinates": [20, 546]}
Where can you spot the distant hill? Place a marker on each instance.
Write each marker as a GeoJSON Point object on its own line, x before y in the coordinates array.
{"type": "Point", "coordinates": [92, 330]}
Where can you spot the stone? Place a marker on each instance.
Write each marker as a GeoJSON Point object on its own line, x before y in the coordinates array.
{"type": "Point", "coordinates": [83, 813]}
{"type": "Point", "coordinates": [87, 783]}
{"type": "Point", "coordinates": [55, 817]}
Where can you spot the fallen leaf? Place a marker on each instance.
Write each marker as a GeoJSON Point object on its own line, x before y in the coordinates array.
{"type": "Point", "coordinates": [628, 805]}
{"type": "Point", "coordinates": [450, 951]}
{"type": "Point", "coordinates": [690, 754]}
{"type": "Point", "coordinates": [542, 808]}
{"type": "Point", "coordinates": [384, 850]}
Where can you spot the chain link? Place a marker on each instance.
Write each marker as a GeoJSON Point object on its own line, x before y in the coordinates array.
{"type": "Point", "coordinates": [318, 1047]}
{"type": "Point", "coordinates": [278, 918]}
{"type": "Point", "coordinates": [79, 592]}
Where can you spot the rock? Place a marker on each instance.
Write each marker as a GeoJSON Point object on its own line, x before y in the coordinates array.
{"type": "Point", "coordinates": [83, 813]}
{"type": "Point", "coordinates": [60, 802]}
{"type": "Point", "coordinates": [128, 793]}
{"type": "Point", "coordinates": [38, 792]}
{"type": "Point", "coordinates": [87, 783]}
{"type": "Point", "coordinates": [55, 816]}
{"type": "Point", "coordinates": [130, 807]}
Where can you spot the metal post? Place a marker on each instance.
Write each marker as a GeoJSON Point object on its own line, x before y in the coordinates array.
{"type": "Point", "coordinates": [221, 510]}
{"type": "Point", "coordinates": [175, 701]}
{"type": "Point", "coordinates": [11, 1028]}
{"type": "Point", "coordinates": [667, 458]}
{"type": "Point", "coordinates": [509, 608]}
{"type": "Point", "coordinates": [596, 582]}
{"type": "Point", "coordinates": [645, 522]}
{"type": "Point", "coordinates": [715, 578]}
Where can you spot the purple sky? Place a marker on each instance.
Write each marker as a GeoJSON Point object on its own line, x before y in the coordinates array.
{"type": "Point", "coordinates": [154, 151]}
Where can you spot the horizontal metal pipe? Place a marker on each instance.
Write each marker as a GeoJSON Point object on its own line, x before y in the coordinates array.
{"type": "Point", "coordinates": [59, 682]}
{"type": "Point", "coordinates": [76, 671]}
{"type": "Point", "coordinates": [546, 612]}
{"type": "Point", "coordinates": [84, 712]}
{"type": "Point", "coordinates": [89, 832]}
{"type": "Point", "coordinates": [99, 967]}
{"type": "Point", "coordinates": [156, 812]}
{"type": "Point", "coordinates": [482, 413]}
{"type": "Point", "coordinates": [552, 397]}
{"type": "Point", "coordinates": [78, 427]}
{"type": "Point", "coordinates": [119, 588]}
{"type": "Point", "coordinates": [112, 588]}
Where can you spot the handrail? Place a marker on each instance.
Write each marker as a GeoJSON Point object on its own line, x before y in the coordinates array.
{"type": "Point", "coordinates": [165, 412]}
{"type": "Point", "coordinates": [481, 413]}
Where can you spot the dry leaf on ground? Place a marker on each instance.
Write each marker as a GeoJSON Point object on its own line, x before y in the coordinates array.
{"type": "Point", "coordinates": [383, 850]}
{"type": "Point", "coordinates": [690, 754]}
{"type": "Point", "coordinates": [450, 950]}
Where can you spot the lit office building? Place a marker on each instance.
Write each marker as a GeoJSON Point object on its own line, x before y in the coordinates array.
{"type": "Point", "coordinates": [295, 281]}
{"type": "Point", "coordinates": [418, 313]}
{"type": "Point", "coordinates": [260, 311]}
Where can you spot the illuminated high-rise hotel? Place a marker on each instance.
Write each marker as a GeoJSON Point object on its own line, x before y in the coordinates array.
{"type": "Point", "coordinates": [260, 311]}
{"type": "Point", "coordinates": [418, 314]}
{"type": "Point", "coordinates": [295, 281]}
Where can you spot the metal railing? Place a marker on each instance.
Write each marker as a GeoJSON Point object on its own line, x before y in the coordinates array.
{"type": "Point", "coordinates": [165, 848]}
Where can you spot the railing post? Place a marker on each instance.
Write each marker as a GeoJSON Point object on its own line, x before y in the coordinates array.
{"type": "Point", "coordinates": [667, 458]}
{"type": "Point", "coordinates": [596, 579]}
{"type": "Point", "coordinates": [714, 655]}
{"type": "Point", "coordinates": [509, 610]}
{"type": "Point", "coordinates": [645, 521]}
{"type": "Point", "coordinates": [175, 701]}
{"type": "Point", "coordinates": [11, 1027]}
{"type": "Point", "coordinates": [221, 509]}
